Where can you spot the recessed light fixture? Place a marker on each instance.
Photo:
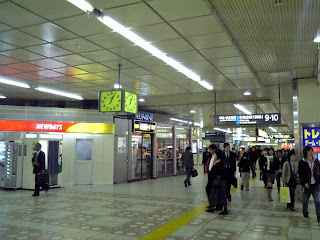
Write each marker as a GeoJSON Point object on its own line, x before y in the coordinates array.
{"type": "Point", "coordinates": [181, 120]}
{"type": "Point", "coordinates": [294, 97]}
{"type": "Point", "coordinates": [241, 108]}
{"type": "Point", "coordinates": [142, 100]}
{"type": "Point", "coordinates": [247, 93]}
{"type": "Point", "coordinates": [3, 97]}
{"type": "Point", "coordinates": [60, 93]}
{"type": "Point", "coordinates": [295, 113]}
{"type": "Point", "coordinates": [117, 86]}
{"type": "Point", "coordinates": [192, 111]}
{"type": "Point", "coordinates": [13, 83]}
{"type": "Point", "coordinates": [139, 41]}
{"type": "Point", "coordinates": [317, 39]}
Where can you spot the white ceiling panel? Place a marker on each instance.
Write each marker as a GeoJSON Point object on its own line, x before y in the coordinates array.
{"type": "Point", "coordinates": [197, 26]}
{"type": "Point", "coordinates": [15, 16]}
{"type": "Point", "coordinates": [210, 41]}
{"type": "Point", "coordinates": [100, 56]}
{"type": "Point", "coordinates": [127, 15]}
{"type": "Point", "coordinates": [188, 56]}
{"type": "Point", "coordinates": [228, 62]}
{"type": "Point", "coordinates": [50, 9]}
{"type": "Point", "coordinates": [70, 71]}
{"type": "Point", "coordinates": [156, 32]}
{"type": "Point", "coordinates": [48, 32]}
{"type": "Point", "coordinates": [130, 52]}
{"type": "Point", "coordinates": [78, 45]}
{"type": "Point", "coordinates": [48, 63]}
{"type": "Point", "coordinates": [4, 27]}
{"type": "Point", "coordinates": [235, 69]}
{"type": "Point", "coordinates": [147, 61]}
{"type": "Point", "coordinates": [173, 45]}
{"type": "Point", "coordinates": [5, 46]}
{"type": "Point", "coordinates": [238, 76]}
{"type": "Point", "coordinates": [221, 52]}
{"type": "Point", "coordinates": [109, 40]}
{"type": "Point", "coordinates": [19, 38]}
{"type": "Point", "coordinates": [22, 55]}
{"type": "Point", "coordinates": [102, 4]}
{"type": "Point", "coordinates": [93, 68]}
{"type": "Point", "coordinates": [180, 9]}
{"type": "Point", "coordinates": [9, 71]}
{"type": "Point", "coordinates": [82, 25]}
{"type": "Point", "coordinates": [49, 50]}
{"type": "Point", "coordinates": [6, 60]}
{"type": "Point", "coordinates": [26, 67]}
{"type": "Point", "coordinates": [73, 60]}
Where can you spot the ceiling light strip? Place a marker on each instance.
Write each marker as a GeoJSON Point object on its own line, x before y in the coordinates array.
{"type": "Point", "coordinates": [13, 83]}
{"type": "Point", "coordinates": [137, 40]}
{"type": "Point", "coordinates": [242, 109]}
{"type": "Point", "coordinates": [222, 130]}
{"type": "Point", "coordinates": [60, 93]}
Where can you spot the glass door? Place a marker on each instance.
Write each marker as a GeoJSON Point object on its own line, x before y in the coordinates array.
{"type": "Point", "coordinates": [141, 156]}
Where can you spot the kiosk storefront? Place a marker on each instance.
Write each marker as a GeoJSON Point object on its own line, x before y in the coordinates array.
{"type": "Point", "coordinates": [76, 153]}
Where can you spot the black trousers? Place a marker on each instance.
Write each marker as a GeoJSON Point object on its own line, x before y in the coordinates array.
{"type": "Point", "coordinates": [37, 186]}
{"type": "Point", "coordinates": [228, 188]}
{"type": "Point", "coordinates": [292, 188]}
{"type": "Point", "coordinates": [278, 178]}
{"type": "Point", "coordinates": [189, 172]}
{"type": "Point", "coordinates": [218, 197]}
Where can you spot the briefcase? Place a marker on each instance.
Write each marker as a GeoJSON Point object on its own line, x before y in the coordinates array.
{"type": "Point", "coordinates": [43, 178]}
{"type": "Point", "coordinates": [234, 182]}
{"type": "Point", "coordinates": [194, 173]}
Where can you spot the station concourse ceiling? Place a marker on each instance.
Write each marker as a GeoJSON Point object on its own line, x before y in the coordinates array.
{"type": "Point", "coordinates": [237, 46]}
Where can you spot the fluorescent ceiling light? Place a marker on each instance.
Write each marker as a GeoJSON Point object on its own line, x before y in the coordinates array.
{"type": "Point", "coordinates": [243, 109]}
{"type": "Point", "coordinates": [117, 86]}
{"type": "Point", "coordinates": [198, 124]}
{"type": "Point", "coordinates": [273, 129]}
{"type": "Point", "coordinates": [50, 136]}
{"type": "Point", "coordinates": [247, 93]}
{"type": "Point", "coordinates": [82, 4]}
{"type": "Point", "coordinates": [317, 39]}
{"type": "Point", "coordinates": [31, 135]}
{"type": "Point", "coordinates": [294, 97]}
{"type": "Point", "coordinates": [60, 93]}
{"type": "Point", "coordinates": [206, 85]}
{"type": "Point", "coordinates": [180, 120]}
{"type": "Point", "coordinates": [295, 113]}
{"type": "Point", "coordinates": [295, 121]}
{"type": "Point", "coordinates": [3, 97]}
{"type": "Point", "coordinates": [13, 83]}
{"type": "Point", "coordinates": [192, 111]}
{"type": "Point", "coordinates": [222, 130]}
{"type": "Point", "coordinates": [142, 100]}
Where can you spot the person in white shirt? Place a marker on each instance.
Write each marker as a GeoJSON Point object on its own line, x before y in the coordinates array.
{"type": "Point", "coordinates": [213, 149]}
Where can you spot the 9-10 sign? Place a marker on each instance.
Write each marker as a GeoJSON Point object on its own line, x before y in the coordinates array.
{"type": "Point", "coordinates": [250, 119]}
{"type": "Point", "coordinates": [118, 101]}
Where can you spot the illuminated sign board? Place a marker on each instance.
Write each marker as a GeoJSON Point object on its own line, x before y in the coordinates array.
{"type": "Point", "coordinates": [311, 136]}
{"type": "Point", "coordinates": [262, 133]}
{"type": "Point", "coordinates": [144, 116]}
{"type": "Point", "coordinates": [58, 127]}
{"type": "Point", "coordinates": [143, 126]}
{"type": "Point", "coordinates": [251, 119]}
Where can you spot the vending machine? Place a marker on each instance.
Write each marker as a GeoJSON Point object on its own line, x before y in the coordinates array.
{"type": "Point", "coordinates": [11, 160]}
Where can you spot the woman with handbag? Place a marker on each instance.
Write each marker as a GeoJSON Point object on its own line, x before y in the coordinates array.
{"type": "Point", "coordinates": [290, 177]}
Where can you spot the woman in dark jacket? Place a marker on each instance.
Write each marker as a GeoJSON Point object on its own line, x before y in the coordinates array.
{"type": "Point", "coordinates": [271, 168]}
{"type": "Point", "coordinates": [218, 193]}
{"type": "Point", "coordinates": [244, 169]}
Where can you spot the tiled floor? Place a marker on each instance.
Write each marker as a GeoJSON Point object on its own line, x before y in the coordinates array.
{"type": "Point", "coordinates": [132, 210]}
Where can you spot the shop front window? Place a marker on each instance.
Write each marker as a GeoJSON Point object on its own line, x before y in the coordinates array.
{"type": "Point", "coordinates": [182, 138]}
{"type": "Point", "coordinates": [164, 151]}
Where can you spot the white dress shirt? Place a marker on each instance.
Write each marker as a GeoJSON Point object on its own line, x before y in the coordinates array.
{"type": "Point", "coordinates": [213, 158]}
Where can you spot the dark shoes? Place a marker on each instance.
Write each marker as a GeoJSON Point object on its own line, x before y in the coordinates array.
{"type": "Point", "coordinates": [186, 185]}
{"type": "Point", "coordinates": [242, 187]}
{"type": "Point", "coordinates": [210, 210]}
{"type": "Point", "coordinates": [306, 215]}
{"type": "Point", "coordinates": [35, 195]}
{"type": "Point", "coordinates": [224, 212]}
{"type": "Point", "coordinates": [229, 199]}
{"type": "Point", "coordinates": [189, 184]}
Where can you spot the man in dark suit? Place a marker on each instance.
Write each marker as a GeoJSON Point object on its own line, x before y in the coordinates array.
{"type": "Point", "coordinates": [188, 163]}
{"type": "Point", "coordinates": [231, 167]}
{"type": "Point", "coordinates": [206, 156]}
{"type": "Point", "coordinates": [38, 162]}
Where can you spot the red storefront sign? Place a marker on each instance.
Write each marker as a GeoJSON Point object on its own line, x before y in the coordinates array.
{"type": "Point", "coordinates": [42, 126]}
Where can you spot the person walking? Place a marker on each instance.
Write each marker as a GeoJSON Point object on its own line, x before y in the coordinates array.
{"type": "Point", "coordinates": [309, 172]}
{"type": "Point", "coordinates": [289, 174]}
{"type": "Point", "coordinates": [282, 160]}
{"type": "Point", "coordinates": [231, 167]}
{"type": "Point", "coordinates": [188, 164]}
{"type": "Point", "coordinates": [206, 156]}
{"type": "Point", "coordinates": [218, 196]}
{"type": "Point", "coordinates": [271, 169]}
{"type": "Point", "coordinates": [212, 149]}
{"type": "Point", "coordinates": [38, 162]}
{"type": "Point", "coordinates": [253, 159]}
{"type": "Point", "coordinates": [244, 169]}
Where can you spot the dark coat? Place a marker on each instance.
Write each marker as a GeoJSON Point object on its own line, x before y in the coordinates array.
{"type": "Point", "coordinates": [187, 159]}
{"type": "Point", "coordinates": [230, 163]}
{"type": "Point", "coordinates": [305, 172]}
{"type": "Point", "coordinates": [218, 171]}
{"type": "Point", "coordinates": [244, 165]}
{"type": "Point", "coordinates": [41, 160]}
{"type": "Point", "coordinates": [206, 156]}
{"type": "Point", "coordinates": [274, 165]}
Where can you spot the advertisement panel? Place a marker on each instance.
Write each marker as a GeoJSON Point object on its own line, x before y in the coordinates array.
{"type": "Point", "coordinates": [311, 136]}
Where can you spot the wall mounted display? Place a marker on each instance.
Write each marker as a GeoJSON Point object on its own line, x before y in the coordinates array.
{"type": "Point", "coordinates": [144, 126]}
{"type": "Point", "coordinates": [251, 119]}
{"type": "Point", "coordinates": [84, 149]}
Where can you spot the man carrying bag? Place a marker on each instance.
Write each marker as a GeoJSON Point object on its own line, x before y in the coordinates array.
{"type": "Point", "coordinates": [41, 178]}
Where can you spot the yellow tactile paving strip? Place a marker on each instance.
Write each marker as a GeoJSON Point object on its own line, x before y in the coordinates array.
{"type": "Point", "coordinates": [174, 225]}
